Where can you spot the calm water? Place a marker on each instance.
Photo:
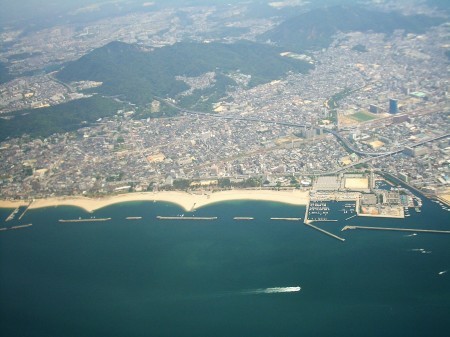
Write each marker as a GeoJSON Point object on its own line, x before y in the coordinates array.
{"type": "Point", "coordinates": [176, 278]}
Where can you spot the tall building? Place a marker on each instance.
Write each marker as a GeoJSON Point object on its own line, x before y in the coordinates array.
{"type": "Point", "coordinates": [393, 106]}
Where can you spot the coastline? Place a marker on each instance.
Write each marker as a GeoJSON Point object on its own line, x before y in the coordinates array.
{"type": "Point", "coordinates": [187, 201]}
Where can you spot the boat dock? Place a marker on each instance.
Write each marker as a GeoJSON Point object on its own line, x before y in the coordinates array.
{"type": "Point", "coordinates": [397, 229]}
{"type": "Point", "coordinates": [243, 218]}
{"type": "Point", "coordinates": [286, 219]}
{"type": "Point", "coordinates": [185, 218]}
{"type": "Point", "coordinates": [351, 217]}
{"type": "Point", "coordinates": [325, 232]}
{"type": "Point", "coordinates": [133, 218]}
{"type": "Point", "coordinates": [12, 215]}
{"type": "Point", "coordinates": [85, 220]}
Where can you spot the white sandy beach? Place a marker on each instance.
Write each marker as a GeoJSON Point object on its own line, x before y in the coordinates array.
{"type": "Point", "coordinates": [186, 200]}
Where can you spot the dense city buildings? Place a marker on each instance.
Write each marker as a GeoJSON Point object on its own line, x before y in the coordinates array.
{"type": "Point", "coordinates": [373, 101]}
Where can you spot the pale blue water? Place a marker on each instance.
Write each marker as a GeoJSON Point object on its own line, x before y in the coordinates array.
{"type": "Point", "coordinates": [183, 278]}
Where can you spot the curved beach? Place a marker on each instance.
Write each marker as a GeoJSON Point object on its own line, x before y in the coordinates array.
{"type": "Point", "coordinates": [188, 201]}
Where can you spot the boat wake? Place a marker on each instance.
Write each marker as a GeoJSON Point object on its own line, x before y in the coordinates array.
{"type": "Point", "coordinates": [277, 290]}
{"type": "Point", "coordinates": [421, 250]}
{"type": "Point", "coordinates": [443, 272]}
{"type": "Point", "coordinates": [408, 236]}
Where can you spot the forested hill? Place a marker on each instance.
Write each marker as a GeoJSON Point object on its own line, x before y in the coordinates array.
{"type": "Point", "coordinates": [314, 29]}
{"type": "Point", "coordinates": [138, 75]}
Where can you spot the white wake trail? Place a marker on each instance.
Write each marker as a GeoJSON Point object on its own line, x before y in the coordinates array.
{"type": "Point", "coordinates": [276, 290]}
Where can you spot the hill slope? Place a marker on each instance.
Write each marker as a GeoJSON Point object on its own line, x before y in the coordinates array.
{"type": "Point", "coordinates": [314, 29]}
{"type": "Point", "coordinates": [138, 76]}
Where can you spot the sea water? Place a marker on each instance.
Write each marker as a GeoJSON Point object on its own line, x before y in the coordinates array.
{"type": "Point", "coordinates": [224, 277]}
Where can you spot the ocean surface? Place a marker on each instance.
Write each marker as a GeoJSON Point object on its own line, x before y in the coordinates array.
{"type": "Point", "coordinates": [222, 278]}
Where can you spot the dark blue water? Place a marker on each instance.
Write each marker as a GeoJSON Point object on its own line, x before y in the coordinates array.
{"type": "Point", "coordinates": [183, 278]}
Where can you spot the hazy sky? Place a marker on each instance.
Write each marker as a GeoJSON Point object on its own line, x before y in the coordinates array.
{"type": "Point", "coordinates": [25, 10]}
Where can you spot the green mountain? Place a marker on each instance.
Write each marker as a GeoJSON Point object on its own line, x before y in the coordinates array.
{"type": "Point", "coordinates": [59, 118]}
{"type": "Point", "coordinates": [138, 76]}
{"type": "Point", "coordinates": [314, 29]}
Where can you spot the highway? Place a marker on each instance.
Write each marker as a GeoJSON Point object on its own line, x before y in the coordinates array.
{"type": "Point", "coordinates": [336, 134]}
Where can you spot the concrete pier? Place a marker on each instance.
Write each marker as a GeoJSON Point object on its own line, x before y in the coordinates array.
{"type": "Point", "coordinates": [397, 229]}
{"type": "Point", "coordinates": [159, 217]}
{"type": "Point", "coordinates": [26, 209]}
{"type": "Point", "coordinates": [325, 232]}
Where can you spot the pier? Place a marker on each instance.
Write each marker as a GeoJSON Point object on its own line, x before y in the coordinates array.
{"type": "Point", "coordinates": [286, 219]}
{"type": "Point", "coordinates": [26, 209]}
{"type": "Point", "coordinates": [85, 220]}
{"type": "Point", "coordinates": [185, 218]}
{"type": "Point", "coordinates": [351, 217]}
{"type": "Point", "coordinates": [12, 215]}
{"type": "Point", "coordinates": [325, 232]}
{"type": "Point", "coordinates": [397, 229]}
{"type": "Point", "coordinates": [243, 218]}
{"type": "Point", "coordinates": [133, 218]}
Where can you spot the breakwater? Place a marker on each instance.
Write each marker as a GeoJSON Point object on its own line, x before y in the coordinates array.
{"type": "Point", "coordinates": [85, 220]}
{"type": "Point", "coordinates": [397, 229]}
{"type": "Point", "coordinates": [159, 217]}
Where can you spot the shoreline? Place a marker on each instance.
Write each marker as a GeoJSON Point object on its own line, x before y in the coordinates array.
{"type": "Point", "coordinates": [187, 201]}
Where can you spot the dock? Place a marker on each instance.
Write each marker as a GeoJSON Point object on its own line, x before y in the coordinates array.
{"type": "Point", "coordinates": [85, 220]}
{"type": "Point", "coordinates": [325, 232]}
{"type": "Point", "coordinates": [185, 218]}
{"type": "Point", "coordinates": [351, 217]}
{"type": "Point", "coordinates": [397, 229]}
{"type": "Point", "coordinates": [133, 218]}
{"type": "Point", "coordinates": [286, 219]}
{"type": "Point", "coordinates": [243, 218]}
